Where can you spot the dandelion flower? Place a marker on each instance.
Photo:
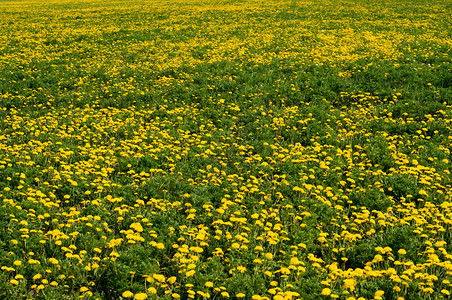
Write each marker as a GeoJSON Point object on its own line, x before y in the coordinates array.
{"type": "Point", "coordinates": [326, 291]}
{"type": "Point", "coordinates": [141, 296]}
{"type": "Point", "coordinates": [127, 294]}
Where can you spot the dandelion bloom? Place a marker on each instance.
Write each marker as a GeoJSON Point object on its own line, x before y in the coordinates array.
{"type": "Point", "coordinates": [141, 296]}
{"type": "Point", "coordinates": [326, 291]}
{"type": "Point", "coordinates": [127, 294]}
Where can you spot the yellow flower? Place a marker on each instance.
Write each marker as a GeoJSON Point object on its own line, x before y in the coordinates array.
{"type": "Point", "coordinates": [378, 294]}
{"type": "Point", "coordinates": [127, 294]}
{"type": "Point", "coordinates": [326, 291]}
{"type": "Point", "coordinates": [439, 244]}
{"type": "Point", "coordinates": [37, 276]}
{"type": "Point", "coordinates": [349, 283]}
{"type": "Point", "coordinates": [137, 227]}
{"type": "Point", "coordinates": [241, 269]}
{"type": "Point", "coordinates": [171, 280]}
{"type": "Point", "coordinates": [14, 281]}
{"type": "Point", "coordinates": [258, 248]}
{"type": "Point", "coordinates": [114, 254]}
{"type": "Point", "coordinates": [257, 261]}
{"type": "Point", "coordinates": [401, 251]}
{"type": "Point", "coordinates": [197, 249]}
{"type": "Point", "coordinates": [240, 295]}
{"type": "Point", "coordinates": [141, 296]}
{"type": "Point", "coordinates": [209, 284]}
{"type": "Point", "coordinates": [159, 277]}
{"type": "Point", "coordinates": [269, 255]}
{"type": "Point", "coordinates": [53, 261]}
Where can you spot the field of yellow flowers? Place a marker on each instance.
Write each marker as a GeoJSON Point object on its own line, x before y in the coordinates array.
{"type": "Point", "coordinates": [195, 149]}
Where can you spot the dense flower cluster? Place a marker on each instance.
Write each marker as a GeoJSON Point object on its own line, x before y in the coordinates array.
{"type": "Point", "coordinates": [238, 149]}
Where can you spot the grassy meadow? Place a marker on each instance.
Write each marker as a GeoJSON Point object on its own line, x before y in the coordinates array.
{"type": "Point", "coordinates": [243, 149]}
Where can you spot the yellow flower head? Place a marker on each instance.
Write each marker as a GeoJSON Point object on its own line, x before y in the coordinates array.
{"type": "Point", "coordinates": [326, 292]}
{"type": "Point", "coordinates": [127, 294]}
{"type": "Point", "coordinates": [141, 296]}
